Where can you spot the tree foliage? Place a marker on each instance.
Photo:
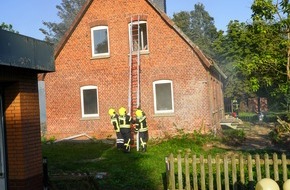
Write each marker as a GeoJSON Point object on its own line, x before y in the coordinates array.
{"type": "Point", "coordinates": [275, 13]}
{"type": "Point", "coordinates": [254, 55]}
{"type": "Point", "coordinates": [66, 12]}
{"type": "Point", "coordinates": [199, 26]}
{"type": "Point", "coordinates": [231, 48]}
{"type": "Point", "coordinates": [7, 27]}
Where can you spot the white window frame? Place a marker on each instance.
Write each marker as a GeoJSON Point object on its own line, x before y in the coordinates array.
{"type": "Point", "coordinates": [93, 44]}
{"type": "Point", "coordinates": [141, 36]}
{"type": "Point", "coordinates": [90, 87]}
{"type": "Point", "coordinates": [155, 98]}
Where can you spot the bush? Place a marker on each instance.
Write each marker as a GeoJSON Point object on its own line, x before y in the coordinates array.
{"type": "Point", "coordinates": [233, 136]}
{"type": "Point", "coordinates": [268, 116]}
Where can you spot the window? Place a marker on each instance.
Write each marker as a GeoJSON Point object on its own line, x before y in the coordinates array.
{"type": "Point", "coordinates": [143, 37]}
{"type": "Point", "coordinates": [163, 96]}
{"type": "Point", "coordinates": [89, 101]}
{"type": "Point", "coordinates": [100, 41]}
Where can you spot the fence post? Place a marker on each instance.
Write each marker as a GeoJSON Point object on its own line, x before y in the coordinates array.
{"type": "Point", "coordinates": [171, 184]}
{"type": "Point", "coordinates": [202, 172]}
{"type": "Point", "coordinates": [234, 172]}
{"type": "Point", "coordinates": [284, 166]}
{"type": "Point", "coordinates": [242, 170]}
{"type": "Point", "coordinates": [226, 173]}
{"type": "Point", "coordinates": [187, 179]}
{"type": "Point", "coordinates": [276, 168]}
{"type": "Point", "coordinates": [267, 166]}
{"type": "Point", "coordinates": [179, 166]}
{"type": "Point", "coordinates": [210, 173]}
{"type": "Point", "coordinates": [218, 173]}
{"type": "Point", "coordinates": [250, 172]}
{"type": "Point", "coordinates": [194, 173]}
{"type": "Point", "coordinates": [258, 167]}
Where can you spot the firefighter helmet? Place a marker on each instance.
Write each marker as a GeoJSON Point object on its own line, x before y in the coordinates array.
{"type": "Point", "coordinates": [139, 113]}
{"type": "Point", "coordinates": [122, 111]}
{"type": "Point", "coordinates": [111, 112]}
{"type": "Point", "coordinates": [267, 183]}
{"type": "Point", "coordinates": [286, 184]}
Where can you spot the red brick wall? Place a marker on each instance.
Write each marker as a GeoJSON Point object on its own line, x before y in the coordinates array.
{"type": "Point", "coordinates": [22, 129]}
{"type": "Point", "coordinates": [169, 58]}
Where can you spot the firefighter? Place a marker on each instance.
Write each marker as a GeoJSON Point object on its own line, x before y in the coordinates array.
{"type": "Point", "coordinates": [116, 124]}
{"type": "Point", "coordinates": [141, 127]}
{"type": "Point", "coordinates": [125, 128]}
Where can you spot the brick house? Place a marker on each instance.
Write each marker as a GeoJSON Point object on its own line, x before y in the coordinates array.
{"type": "Point", "coordinates": [21, 60]}
{"type": "Point", "coordinates": [129, 53]}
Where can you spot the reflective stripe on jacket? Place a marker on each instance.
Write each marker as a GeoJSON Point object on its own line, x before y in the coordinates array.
{"type": "Point", "coordinates": [141, 124]}
{"type": "Point", "coordinates": [125, 121]}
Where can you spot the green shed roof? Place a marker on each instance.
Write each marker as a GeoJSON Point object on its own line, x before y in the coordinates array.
{"type": "Point", "coordinates": [25, 52]}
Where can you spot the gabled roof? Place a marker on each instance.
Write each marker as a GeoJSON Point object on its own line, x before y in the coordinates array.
{"type": "Point", "coordinates": [209, 63]}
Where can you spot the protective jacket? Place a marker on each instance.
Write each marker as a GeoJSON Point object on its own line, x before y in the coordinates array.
{"type": "Point", "coordinates": [142, 130]}
{"type": "Point", "coordinates": [115, 122]}
{"type": "Point", "coordinates": [141, 124]}
{"type": "Point", "coordinates": [125, 129]}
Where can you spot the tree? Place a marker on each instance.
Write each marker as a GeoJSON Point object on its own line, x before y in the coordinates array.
{"type": "Point", "coordinates": [277, 13]}
{"type": "Point", "coordinates": [199, 26]}
{"type": "Point", "coordinates": [8, 27]}
{"type": "Point", "coordinates": [230, 48]}
{"type": "Point", "coordinates": [254, 56]}
{"type": "Point", "coordinates": [66, 12]}
{"type": "Point", "coordinates": [182, 20]}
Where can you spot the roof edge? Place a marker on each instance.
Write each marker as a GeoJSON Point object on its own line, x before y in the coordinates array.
{"type": "Point", "coordinates": [182, 34]}
{"type": "Point", "coordinates": [72, 27]}
{"type": "Point", "coordinates": [205, 60]}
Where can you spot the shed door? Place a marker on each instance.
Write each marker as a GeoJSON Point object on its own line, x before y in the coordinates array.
{"type": "Point", "coordinates": [3, 175]}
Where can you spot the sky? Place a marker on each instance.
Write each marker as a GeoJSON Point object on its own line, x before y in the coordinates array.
{"type": "Point", "coordinates": [27, 16]}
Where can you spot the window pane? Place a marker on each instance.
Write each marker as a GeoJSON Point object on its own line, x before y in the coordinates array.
{"type": "Point", "coordinates": [101, 41]}
{"type": "Point", "coordinates": [163, 96]}
{"type": "Point", "coordinates": [143, 36]}
{"type": "Point", "coordinates": [90, 101]}
{"type": "Point", "coordinates": [135, 37]}
{"type": "Point", "coordinates": [140, 35]}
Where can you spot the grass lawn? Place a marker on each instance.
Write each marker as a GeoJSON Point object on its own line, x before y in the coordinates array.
{"type": "Point", "coordinates": [69, 161]}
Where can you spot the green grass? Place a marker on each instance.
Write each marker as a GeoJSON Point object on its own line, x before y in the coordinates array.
{"type": "Point", "coordinates": [125, 171]}
{"type": "Point", "coordinates": [134, 170]}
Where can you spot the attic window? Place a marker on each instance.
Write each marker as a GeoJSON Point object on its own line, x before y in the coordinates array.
{"type": "Point", "coordinates": [140, 35]}
{"type": "Point", "coordinates": [100, 41]}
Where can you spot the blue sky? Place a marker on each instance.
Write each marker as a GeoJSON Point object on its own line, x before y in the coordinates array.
{"type": "Point", "coordinates": [27, 16]}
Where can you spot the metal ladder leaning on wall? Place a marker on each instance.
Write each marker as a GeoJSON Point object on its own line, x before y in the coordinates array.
{"type": "Point", "coordinates": [134, 69]}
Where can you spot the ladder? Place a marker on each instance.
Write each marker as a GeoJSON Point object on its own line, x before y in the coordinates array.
{"type": "Point", "coordinates": [134, 71]}
{"type": "Point", "coordinates": [134, 65]}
